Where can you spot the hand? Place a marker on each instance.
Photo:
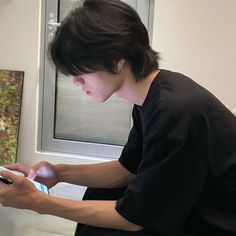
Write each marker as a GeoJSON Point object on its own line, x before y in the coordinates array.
{"type": "Point", "coordinates": [21, 193]}
{"type": "Point", "coordinates": [43, 172]}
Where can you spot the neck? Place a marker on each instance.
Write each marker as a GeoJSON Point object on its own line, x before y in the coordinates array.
{"type": "Point", "coordinates": [136, 92]}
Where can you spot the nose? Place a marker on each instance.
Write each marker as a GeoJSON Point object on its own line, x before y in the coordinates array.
{"type": "Point", "coordinates": [78, 80]}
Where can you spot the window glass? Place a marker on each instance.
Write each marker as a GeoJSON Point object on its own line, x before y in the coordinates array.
{"type": "Point", "coordinates": [80, 118]}
{"type": "Point", "coordinates": [71, 121]}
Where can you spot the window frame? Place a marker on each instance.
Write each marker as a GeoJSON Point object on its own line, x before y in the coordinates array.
{"type": "Point", "coordinates": [46, 121]}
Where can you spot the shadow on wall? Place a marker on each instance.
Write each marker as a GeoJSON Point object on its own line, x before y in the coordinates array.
{"type": "Point", "coordinates": [4, 2]}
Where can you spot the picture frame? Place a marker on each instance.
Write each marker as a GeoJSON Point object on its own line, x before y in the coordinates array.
{"type": "Point", "coordinates": [11, 91]}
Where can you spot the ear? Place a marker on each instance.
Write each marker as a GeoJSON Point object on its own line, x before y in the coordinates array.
{"type": "Point", "coordinates": [120, 65]}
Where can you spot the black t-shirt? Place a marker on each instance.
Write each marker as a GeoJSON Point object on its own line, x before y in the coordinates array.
{"type": "Point", "coordinates": [182, 147]}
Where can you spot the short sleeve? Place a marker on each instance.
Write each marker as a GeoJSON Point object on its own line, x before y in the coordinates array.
{"type": "Point", "coordinates": [171, 176]}
{"type": "Point", "coordinates": [188, 143]}
{"type": "Point", "coordinates": [163, 195]}
{"type": "Point", "coordinates": [132, 151]}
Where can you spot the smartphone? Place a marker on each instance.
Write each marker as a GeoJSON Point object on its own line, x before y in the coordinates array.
{"type": "Point", "coordinates": [5, 181]}
{"type": "Point", "coordinates": [39, 186]}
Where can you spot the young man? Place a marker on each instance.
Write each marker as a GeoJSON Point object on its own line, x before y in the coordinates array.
{"type": "Point", "coordinates": [177, 172]}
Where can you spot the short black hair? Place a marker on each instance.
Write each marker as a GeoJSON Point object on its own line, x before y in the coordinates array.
{"type": "Point", "coordinates": [97, 34]}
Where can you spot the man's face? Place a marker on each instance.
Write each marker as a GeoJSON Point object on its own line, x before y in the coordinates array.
{"type": "Point", "coordinates": [100, 85]}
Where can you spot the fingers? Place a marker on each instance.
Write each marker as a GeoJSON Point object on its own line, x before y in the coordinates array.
{"type": "Point", "coordinates": [11, 166]}
{"type": "Point", "coordinates": [45, 172]}
{"type": "Point", "coordinates": [9, 175]}
{"type": "Point", "coordinates": [40, 170]}
{"type": "Point", "coordinates": [28, 171]}
{"type": "Point", "coordinates": [18, 167]}
{"type": "Point", "coordinates": [32, 174]}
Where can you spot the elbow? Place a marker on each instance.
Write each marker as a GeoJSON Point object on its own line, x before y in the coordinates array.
{"type": "Point", "coordinates": [136, 228]}
{"type": "Point", "coordinates": [133, 227]}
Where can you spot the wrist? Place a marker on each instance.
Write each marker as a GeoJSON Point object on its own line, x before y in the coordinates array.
{"type": "Point", "coordinates": [59, 172]}
{"type": "Point", "coordinates": [40, 202]}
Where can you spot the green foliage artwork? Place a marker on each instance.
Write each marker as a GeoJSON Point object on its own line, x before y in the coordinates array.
{"type": "Point", "coordinates": [11, 86]}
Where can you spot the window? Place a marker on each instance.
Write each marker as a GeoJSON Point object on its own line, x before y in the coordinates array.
{"type": "Point", "coordinates": [70, 121]}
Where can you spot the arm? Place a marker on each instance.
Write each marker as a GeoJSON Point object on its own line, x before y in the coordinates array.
{"type": "Point", "coordinates": [101, 175]}
{"type": "Point", "coordinates": [22, 194]}
{"type": "Point", "coordinates": [95, 213]}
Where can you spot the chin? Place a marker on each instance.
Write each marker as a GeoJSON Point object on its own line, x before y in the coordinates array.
{"type": "Point", "coordinates": [99, 100]}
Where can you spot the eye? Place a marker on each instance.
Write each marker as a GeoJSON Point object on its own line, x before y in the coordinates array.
{"type": "Point", "coordinates": [78, 80]}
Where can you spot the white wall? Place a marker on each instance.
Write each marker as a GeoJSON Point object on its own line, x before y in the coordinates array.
{"type": "Point", "coordinates": [19, 50]}
{"type": "Point", "coordinates": [194, 37]}
{"type": "Point", "coordinates": [198, 38]}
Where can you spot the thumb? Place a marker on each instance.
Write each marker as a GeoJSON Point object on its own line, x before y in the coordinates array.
{"type": "Point", "coordinates": [32, 174]}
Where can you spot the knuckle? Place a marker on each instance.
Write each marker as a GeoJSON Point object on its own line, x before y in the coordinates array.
{"type": "Point", "coordinates": [42, 163]}
{"type": "Point", "coordinates": [20, 180]}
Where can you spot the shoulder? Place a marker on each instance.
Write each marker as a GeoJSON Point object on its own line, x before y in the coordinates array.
{"type": "Point", "coordinates": [177, 93]}
{"type": "Point", "coordinates": [177, 102]}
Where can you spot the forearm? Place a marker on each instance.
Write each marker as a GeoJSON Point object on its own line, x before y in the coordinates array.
{"type": "Point", "coordinates": [101, 175]}
{"type": "Point", "coordinates": [95, 213]}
